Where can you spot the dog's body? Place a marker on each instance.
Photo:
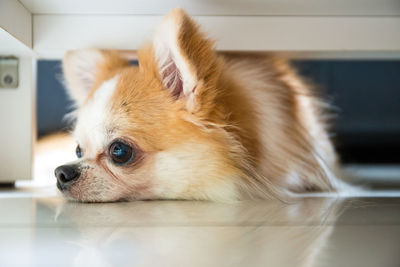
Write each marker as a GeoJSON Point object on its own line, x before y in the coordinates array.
{"type": "Point", "coordinates": [188, 123]}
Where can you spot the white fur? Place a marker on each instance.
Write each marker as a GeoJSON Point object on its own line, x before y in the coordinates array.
{"type": "Point", "coordinates": [94, 117]}
{"type": "Point", "coordinates": [293, 180]}
{"type": "Point", "coordinates": [167, 52]}
{"type": "Point", "coordinates": [322, 147]}
{"type": "Point", "coordinates": [183, 171]}
{"type": "Point", "coordinates": [80, 69]}
{"type": "Point", "coordinates": [321, 144]}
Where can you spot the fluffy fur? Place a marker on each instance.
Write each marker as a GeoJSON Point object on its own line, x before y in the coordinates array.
{"type": "Point", "coordinates": [205, 126]}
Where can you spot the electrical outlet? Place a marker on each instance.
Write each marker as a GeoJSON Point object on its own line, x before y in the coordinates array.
{"type": "Point", "coordinates": [8, 72]}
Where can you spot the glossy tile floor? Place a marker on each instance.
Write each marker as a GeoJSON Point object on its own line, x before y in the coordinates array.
{"type": "Point", "coordinates": [40, 228]}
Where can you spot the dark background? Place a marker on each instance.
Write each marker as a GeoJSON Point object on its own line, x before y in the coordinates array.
{"type": "Point", "coordinates": [365, 96]}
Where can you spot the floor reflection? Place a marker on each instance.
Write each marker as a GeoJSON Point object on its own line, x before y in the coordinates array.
{"type": "Point", "coordinates": [174, 233]}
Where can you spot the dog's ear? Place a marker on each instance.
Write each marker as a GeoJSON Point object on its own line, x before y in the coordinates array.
{"type": "Point", "coordinates": [186, 60]}
{"type": "Point", "coordinates": [82, 69]}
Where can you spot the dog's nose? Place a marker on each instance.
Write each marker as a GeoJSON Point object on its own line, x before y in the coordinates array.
{"type": "Point", "coordinates": [66, 174]}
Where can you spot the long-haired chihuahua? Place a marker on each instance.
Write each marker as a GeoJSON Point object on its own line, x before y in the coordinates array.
{"type": "Point", "coordinates": [191, 123]}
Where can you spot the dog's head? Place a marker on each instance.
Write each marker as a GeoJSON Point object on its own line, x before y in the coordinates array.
{"type": "Point", "coordinates": [156, 130]}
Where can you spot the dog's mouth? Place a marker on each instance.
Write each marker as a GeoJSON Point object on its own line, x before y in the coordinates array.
{"type": "Point", "coordinates": [60, 187]}
{"type": "Point", "coordinates": [64, 187]}
{"type": "Point", "coordinates": [67, 190]}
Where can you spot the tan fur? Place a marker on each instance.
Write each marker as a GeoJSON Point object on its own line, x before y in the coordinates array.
{"type": "Point", "coordinates": [248, 128]}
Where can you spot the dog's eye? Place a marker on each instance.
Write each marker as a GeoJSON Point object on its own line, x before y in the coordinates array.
{"type": "Point", "coordinates": [121, 153]}
{"type": "Point", "coordinates": [78, 151]}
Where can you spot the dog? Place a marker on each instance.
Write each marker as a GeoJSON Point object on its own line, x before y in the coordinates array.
{"type": "Point", "coordinates": [193, 124]}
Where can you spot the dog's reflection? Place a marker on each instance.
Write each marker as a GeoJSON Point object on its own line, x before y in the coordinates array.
{"type": "Point", "coordinates": [175, 233]}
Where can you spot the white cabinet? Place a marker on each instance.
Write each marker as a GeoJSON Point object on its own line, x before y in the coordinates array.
{"type": "Point", "coordinates": [16, 104]}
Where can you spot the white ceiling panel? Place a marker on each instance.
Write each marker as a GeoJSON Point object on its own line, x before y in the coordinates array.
{"type": "Point", "coordinates": [218, 7]}
{"type": "Point", "coordinates": [55, 34]}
